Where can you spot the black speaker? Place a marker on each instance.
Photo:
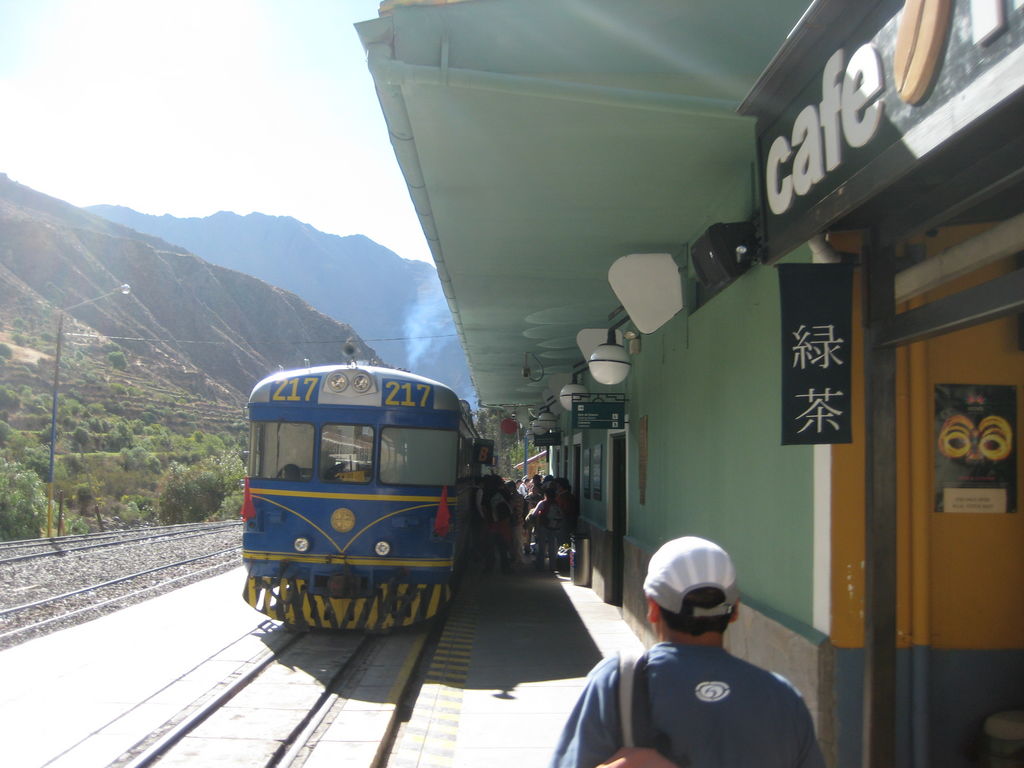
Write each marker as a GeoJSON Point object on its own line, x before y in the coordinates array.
{"type": "Point", "coordinates": [723, 253]}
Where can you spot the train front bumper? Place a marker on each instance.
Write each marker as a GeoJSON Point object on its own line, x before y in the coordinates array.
{"type": "Point", "coordinates": [390, 604]}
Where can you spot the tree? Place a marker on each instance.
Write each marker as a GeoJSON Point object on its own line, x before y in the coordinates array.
{"type": "Point", "coordinates": [9, 400]}
{"type": "Point", "coordinates": [81, 439]}
{"type": "Point", "coordinates": [117, 360]}
{"type": "Point", "coordinates": [195, 493]}
{"type": "Point", "coordinates": [22, 501]}
{"type": "Point", "coordinates": [119, 437]}
{"type": "Point", "coordinates": [138, 459]}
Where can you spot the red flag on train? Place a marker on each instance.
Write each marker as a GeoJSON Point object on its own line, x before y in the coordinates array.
{"type": "Point", "coordinates": [442, 522]}
{"type": "Point", "coordinates": [248, 510]}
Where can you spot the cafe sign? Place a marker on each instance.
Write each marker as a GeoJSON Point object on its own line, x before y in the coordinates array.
{"type": "Point", "coordinates": [905, 79]}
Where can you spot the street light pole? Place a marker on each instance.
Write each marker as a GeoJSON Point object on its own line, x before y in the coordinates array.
{"type": "Point", "coordinates": [124, 289]}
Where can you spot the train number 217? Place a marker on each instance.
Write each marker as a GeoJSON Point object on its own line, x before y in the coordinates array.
{"type": "Point", "coordinates": [406, 393]}
{"type": "Point", "coordinates": [297, 389]}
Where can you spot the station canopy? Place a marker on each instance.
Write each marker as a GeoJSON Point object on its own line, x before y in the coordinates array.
{"type": "Point", "coordinates": [543, 140]}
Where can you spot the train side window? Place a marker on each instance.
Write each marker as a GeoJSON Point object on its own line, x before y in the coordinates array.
{"type": "Point", "coordinates": [281, 450]}
{"type": "Point", "coordinates": [346, 453]}
{"type": "Point", "coordinates": [418, 456]}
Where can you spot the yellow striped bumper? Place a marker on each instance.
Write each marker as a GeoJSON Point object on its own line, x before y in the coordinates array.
{"type": "Point", "coordinates": [391, 605]}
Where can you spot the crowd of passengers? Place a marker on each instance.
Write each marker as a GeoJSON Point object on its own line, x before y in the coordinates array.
{"type": "Point", "coordinates": [512, 521]}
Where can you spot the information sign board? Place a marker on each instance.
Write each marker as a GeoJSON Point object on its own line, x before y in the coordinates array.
{"type": "Point", "coordinates": [599, 415]}
{"type": "Point", "coordinates": [548, 438]}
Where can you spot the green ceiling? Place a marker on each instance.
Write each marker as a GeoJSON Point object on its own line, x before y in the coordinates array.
{"type": "Point", "coordinates": [542, 140]}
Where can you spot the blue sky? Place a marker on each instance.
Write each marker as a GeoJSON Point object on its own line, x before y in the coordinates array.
{"type": "Point", "coordinates": [189, 107]}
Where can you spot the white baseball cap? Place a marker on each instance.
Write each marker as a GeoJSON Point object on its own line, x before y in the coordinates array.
{"type": "Point", "coordinates": [683, 565]}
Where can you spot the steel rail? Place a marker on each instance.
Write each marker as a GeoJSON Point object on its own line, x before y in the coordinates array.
{"type": "Point", "coordinates": [302, 733]}
{"type": "Point", "coordinates": [166, 742]}
{"type": "Point", "coordinates": [118, 535]}
{"type": "Point", "coordinates": [103, 603]}
{"type": "Point", "coordinates": [182, 535]}
{"type": "Point", "coordinates": [66, 595]}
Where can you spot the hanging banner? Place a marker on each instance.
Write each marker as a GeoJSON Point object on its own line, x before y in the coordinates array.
{"type": "Point", "coordinates": [975, 456]}
{"type": "Point", "coordinates": [816, 302]}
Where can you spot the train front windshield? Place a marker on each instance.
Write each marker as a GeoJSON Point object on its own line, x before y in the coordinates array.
{"type": "Point", "coordinates": [408, 456]}
{"type": "Point", "coordinates": [281, 450]}
{"type": "Point", "coordinates": [417, 456]}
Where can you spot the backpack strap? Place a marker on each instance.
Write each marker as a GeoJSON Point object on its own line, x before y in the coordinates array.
{"type": "Point", "coordinates": [627, 672]}
{"type": "Point", "coordinates": [635, 715]}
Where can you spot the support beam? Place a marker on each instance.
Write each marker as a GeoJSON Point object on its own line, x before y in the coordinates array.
{"type": "Point", "coordinates": [388, 71]}
{"type": "Point", "coordinates": [972, 306]}
{"type": "Point", "coordinates": [879, 740]}
{"type": "Point", "coordinates": [1004, 239]}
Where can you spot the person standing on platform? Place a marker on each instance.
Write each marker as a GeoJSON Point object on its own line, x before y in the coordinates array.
{"type": "Point", "coordinates": [570, 509]}
{"type": "Point", "coordinates": [547, 528]}
{"type": "Point", "coordinates": [518, 504]}
{"type": "Point", "coordinates": [498, 525]}
{"type": "Point", "coordinates": [695, 704]}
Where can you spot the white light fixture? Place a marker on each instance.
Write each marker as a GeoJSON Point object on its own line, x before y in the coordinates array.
{"type": "Point", "coordinates": [609, 363]}
{"type": "Point", "coordinates": [544, 422]}
{"type": "Point", "coordinates": [649, 288]}
{"type": "Point", "coordinates": [566, 393]}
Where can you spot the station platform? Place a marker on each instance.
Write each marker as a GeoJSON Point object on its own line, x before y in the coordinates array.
{"type": "Point", "coordinates": [509, 667]}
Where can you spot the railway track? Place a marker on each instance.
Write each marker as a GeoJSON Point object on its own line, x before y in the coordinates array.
{"type": "Point", "coordinates": [312, 685]}
{"type": "Point", "coordinates": [22, 621]}
{"type": "Point", "coordinates": [30, 549]}
{"type": "Point", "coordinates": [41, 594]}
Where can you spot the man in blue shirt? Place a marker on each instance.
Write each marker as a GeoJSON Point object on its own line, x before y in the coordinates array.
{"type": "Point", "coordinates": [703, 708]}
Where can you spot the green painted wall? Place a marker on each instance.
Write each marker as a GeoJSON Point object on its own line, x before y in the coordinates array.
{"type": "Point", "coordinates": [710, 387]}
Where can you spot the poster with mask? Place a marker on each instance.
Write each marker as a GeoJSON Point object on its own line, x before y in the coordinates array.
{"type": "Point", "coordinates": [975, 452]}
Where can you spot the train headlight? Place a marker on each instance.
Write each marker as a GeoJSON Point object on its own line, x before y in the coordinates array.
{"type": "Point", "coordinates": [382, 548]}
{"type": "Point", "coordinates": [362, 383]}
{"type": "Point", "coordinates": [337, 382]}
{"type": "Point", "coordinates": [301, 544]}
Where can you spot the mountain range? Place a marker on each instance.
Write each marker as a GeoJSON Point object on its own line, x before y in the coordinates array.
{"type": "Point", "coordinates": [395, 304]}
{"type": "Point", "coordinates": [186, 325]}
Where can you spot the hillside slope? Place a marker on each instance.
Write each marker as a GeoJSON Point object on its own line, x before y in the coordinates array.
{"type": "Point", "coordinates": [397, 304]}
{"type": "Point", "coordinates": [186, 324]}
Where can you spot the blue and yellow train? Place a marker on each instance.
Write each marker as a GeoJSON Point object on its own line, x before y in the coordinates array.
{"type": "Point", "coordinates": [352, 512]}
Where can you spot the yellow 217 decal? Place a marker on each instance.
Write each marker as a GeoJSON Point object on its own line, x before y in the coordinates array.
{"type": "Point", "coordinates": [407, 393]}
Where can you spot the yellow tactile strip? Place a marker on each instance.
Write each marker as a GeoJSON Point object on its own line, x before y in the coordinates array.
{"type": "Point", "coordinates": [428, 739]}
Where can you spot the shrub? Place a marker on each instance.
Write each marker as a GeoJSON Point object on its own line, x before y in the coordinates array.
{"type": "Point", "coordinates": [196, 493]}
{"type": "Point", "coordinates": [9, 400]}
{"type": "Point", "coordinates": [22, 501]}
{"type": "Point", "coordinates": [139, 459]}
{"type": "Point", "coordinates": [117, 360]}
